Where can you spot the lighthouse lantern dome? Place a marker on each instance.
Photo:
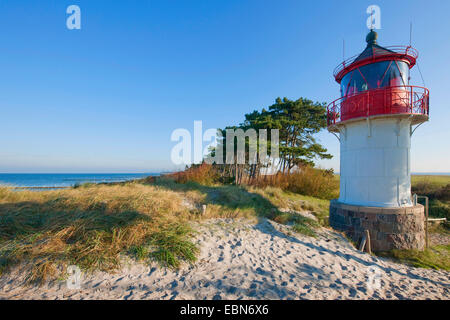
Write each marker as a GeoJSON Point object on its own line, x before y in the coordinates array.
{"type": "Point", "coordinates": [376, 82]}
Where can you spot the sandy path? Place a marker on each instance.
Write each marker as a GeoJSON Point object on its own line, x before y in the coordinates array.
{"type": "Point", "coordinates": [241, 260]}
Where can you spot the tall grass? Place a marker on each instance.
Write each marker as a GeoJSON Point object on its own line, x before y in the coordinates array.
{"type": "Point", "coordinates": [204, 174]}
{"type": "Point", "coordinates": [91, 227]}
{"type": "Point", "coordinates": [308, 181]}
{"type": "Point", "coordinates": [229, 201]}
{"type": "Point", "coordinates": [437, 188]}
{"type": "Point", "coordinates": [94, 226]}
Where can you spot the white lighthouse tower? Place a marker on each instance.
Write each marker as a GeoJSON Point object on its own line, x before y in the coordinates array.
{"type": "Point", "coordinates": [374, 119]}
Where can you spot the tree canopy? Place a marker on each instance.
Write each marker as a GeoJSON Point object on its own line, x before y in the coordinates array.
{"type": "Point", "coordinates": [297, 122]}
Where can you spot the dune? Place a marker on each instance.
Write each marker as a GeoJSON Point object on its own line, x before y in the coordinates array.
{"type": "Point", "coordinates": [243, 259]}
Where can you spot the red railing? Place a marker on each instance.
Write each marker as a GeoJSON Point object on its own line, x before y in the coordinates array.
{"type": "Point", "coordinates": [389, 100]}
{"type": "Point", "coordinates": [407, 51]}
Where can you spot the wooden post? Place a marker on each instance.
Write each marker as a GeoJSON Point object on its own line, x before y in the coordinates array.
{"type": "Point", "coordinates": [426, 220]}
{"type": "Point", "coordinates": [426, 223]}
{"type": "Point", "coordinates": [368, 246]}
{"type": "Point", "coordinates": [363, 242]}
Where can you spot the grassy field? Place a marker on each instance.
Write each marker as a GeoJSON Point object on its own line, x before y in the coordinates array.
{"type": "Point", "coordinates": [437, 188]}
{"type": "Point", "coordinates": [93, 226]}
{"type": "Point", "coordinates": [436, 180]}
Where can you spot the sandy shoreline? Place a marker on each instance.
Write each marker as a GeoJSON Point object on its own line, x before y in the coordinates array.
{"type": "Point", "coordinates": [244, 260]}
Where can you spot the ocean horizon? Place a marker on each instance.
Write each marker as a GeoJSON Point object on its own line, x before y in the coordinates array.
{"type": "Point", "coordinates": [71, 179]}
{"type": "Point", "coordinates": [65, 179]}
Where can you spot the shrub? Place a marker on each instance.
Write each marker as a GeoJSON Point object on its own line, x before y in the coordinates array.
{"type": "Point", "coordinates": [443, 193]}
{"type": "Point", "coordinates": [307, 181]}
{"type": "Point", "coordinates": [204, 174]}
{"type": "Point", "coordinates": [314, 182]}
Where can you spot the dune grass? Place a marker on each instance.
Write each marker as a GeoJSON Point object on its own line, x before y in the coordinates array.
{"type": "Point", "coordinates": [436, 257]}
{"type": "Point", "coordinates": [229, 201]}
{"type": "Point", "coordinates": [94, 226]}
{"type": "Point", "coordinates": [91, 227]}
{"type": "Point", "coordinates": [297, 202]}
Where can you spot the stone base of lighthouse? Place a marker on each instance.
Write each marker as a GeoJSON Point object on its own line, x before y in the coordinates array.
{"type": "Point", "coordinates": [389, 228]}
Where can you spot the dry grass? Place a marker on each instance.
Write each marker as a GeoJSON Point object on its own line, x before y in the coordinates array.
{"type": "Point", "coordinates": [93, 226]}
{"type": "Point", "coordinates": [308, 181]}
{"type": "Point", "coordinates": [296, 202]}
{"type": "Point", "coordinates": [204, 174]}
{"type": "Point", "coordinates": [229, 201]}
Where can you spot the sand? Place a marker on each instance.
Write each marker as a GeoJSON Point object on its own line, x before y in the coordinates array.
{"type": "Point", "coordinates": [247, 260]}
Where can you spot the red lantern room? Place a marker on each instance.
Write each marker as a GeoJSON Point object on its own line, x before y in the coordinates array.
{"type": "Point", "coordinates": [376, 83]}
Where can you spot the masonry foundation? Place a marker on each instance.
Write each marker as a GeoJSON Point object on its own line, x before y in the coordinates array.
{"type": "Point", "coordinates": [389, 228]}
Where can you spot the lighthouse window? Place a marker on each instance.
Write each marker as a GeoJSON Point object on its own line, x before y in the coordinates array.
{"type": "Point", "coordinates": [344, 84]}
{"type": "Point", "coordinates": [374, 76]}
{"type": "Point", "coordinates": [396, 75]}
{"type": "Point", "coordinates": [357, 83]}
{"type": "Point", "coordinates": [374, 73]}
{"type": "Point", "coordinates": [404, 71]}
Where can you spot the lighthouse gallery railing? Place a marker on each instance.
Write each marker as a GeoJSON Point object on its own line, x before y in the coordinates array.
{"type": "Point", "coordinates": [388, 100]}
{"type": "Point", "coordinates": [406, 51]}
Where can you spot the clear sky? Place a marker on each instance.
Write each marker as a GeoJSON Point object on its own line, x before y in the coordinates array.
{"type": "Point", "coordinates": [106, 98]}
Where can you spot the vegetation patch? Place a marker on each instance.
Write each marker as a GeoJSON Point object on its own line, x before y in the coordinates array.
{"type": "Point", "coordinates": [437, 189]}
{"type": "Point", "coordinates": [436, 257]}
{"type": "Point", "coordinates": [92, 226]}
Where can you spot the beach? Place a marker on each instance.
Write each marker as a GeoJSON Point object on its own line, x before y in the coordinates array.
{"type": "Point", "coordinates": [251, 259]}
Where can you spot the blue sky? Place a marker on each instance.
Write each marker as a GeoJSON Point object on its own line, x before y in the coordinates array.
{"type": "Point", "coordinates": [106, 98]}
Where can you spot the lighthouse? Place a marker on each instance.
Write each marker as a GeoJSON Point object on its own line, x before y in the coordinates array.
{"type": "Point", "coordinates": [374, 120]}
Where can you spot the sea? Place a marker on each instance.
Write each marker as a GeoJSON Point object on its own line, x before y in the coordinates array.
{"type": "Point", "coordinates": [70, 179]}
{"type": "Point", "coordinates": [65, 179]}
